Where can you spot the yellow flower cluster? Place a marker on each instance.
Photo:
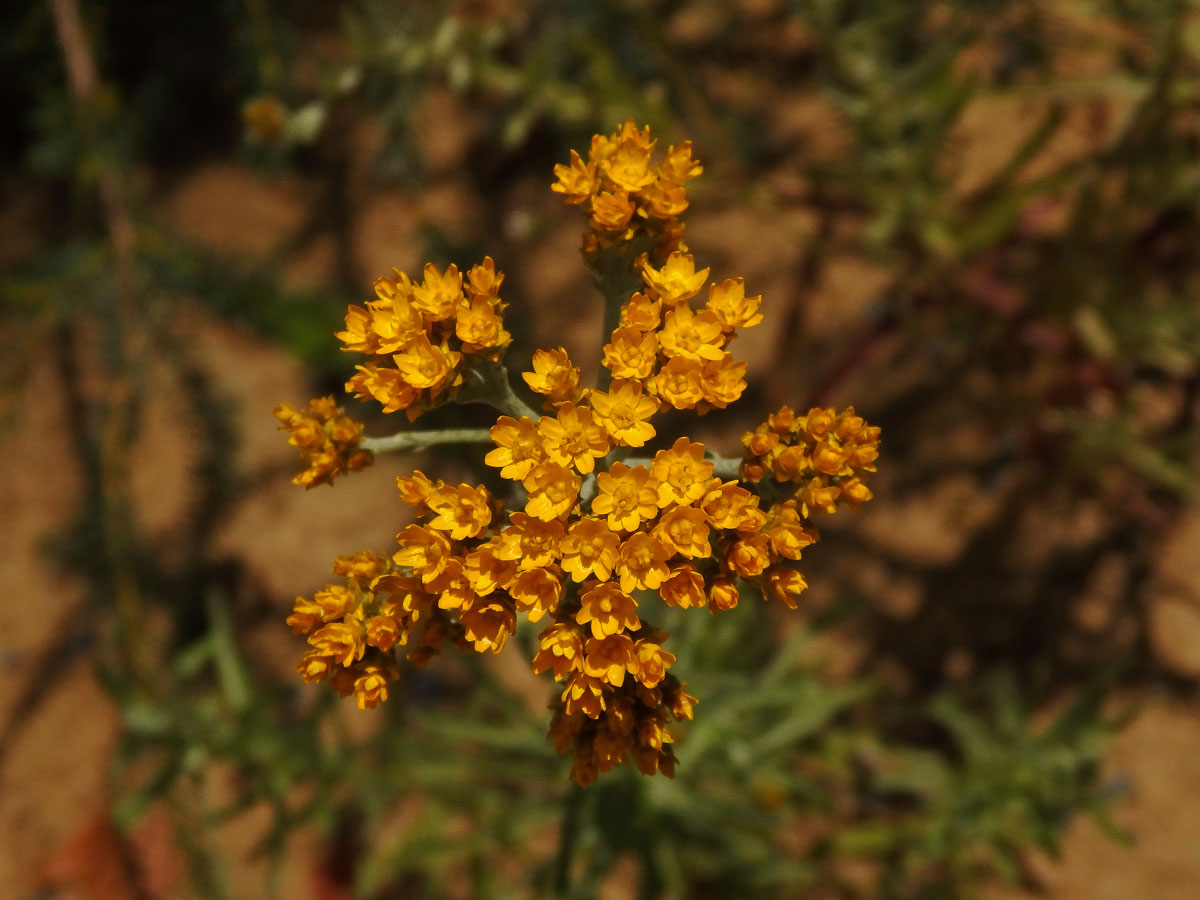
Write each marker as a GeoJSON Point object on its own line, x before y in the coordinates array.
{"type": "Point", "coordinates": [593, 536]}
{"type": "Point", "coordinates": [669, 527]}
{"type": "Point", "coordinates": [357, 630]}
{"type": "Point", "coordinates": [825, 454]}
{"type": "Point", "coordinates": [419, 334]}
{"type": "Point", "coordinates": [624, 192]}
{"type": "Point", "coordinates": [679, 353]}
{"type": "Point", "coordinates": [328, 440]}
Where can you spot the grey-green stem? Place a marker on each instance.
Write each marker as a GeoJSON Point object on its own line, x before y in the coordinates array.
{"type": "Point", "coordinates": [617, 280]}
{"type": "Point", "coordinates": [488, 385]}
{"type": "Point", "coordinates": [725, 467]}
{"type": "Point", "coordinates": [421, 440]}
{"type": "Point", "coordinates": [491, 386]}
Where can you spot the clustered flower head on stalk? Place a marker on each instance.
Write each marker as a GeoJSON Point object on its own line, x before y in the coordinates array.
{"type": "Point", "coordinates": [328, 439]}
{"type": "Point", "coordinates": [624, 193]}
{"type": "Point", "coordinates": [591, 538]}
{"type": "Point", "coordinates": [418, 335]}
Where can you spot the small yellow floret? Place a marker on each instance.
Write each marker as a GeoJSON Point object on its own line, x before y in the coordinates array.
{"type": "Point", "coordinates": [612, 211]}
{"type": "Point", "coordinates": [553, 490]}
{"type": "Point", "coordinates": [625, 411]}
{"type": "Point", "coordinates": [425, 366]}
{"type": "Point", "coordinates": [610, 658]}
{"type": "Point", "coordinates": [682, 473]}
{"type": "Point", "coordinates": [629, 166]}
{"type": "Point", "coordinates": [439, 295]}
{"type": "Point", "coordinates": [684, 530]}
{"type": "Point", "coordinates": [631, 353]}
{"type": "Point", "coordinates": [518, 447]}
{"type": "Point", "coordinates": [731, 306]}
{"type": "Point", "coordinates": [531, 542]}
{"type": "Point", "coordinates": [561, 649]}
{"type": "Point", "coordinates": [576, 181]}
{"type": "Point", "coordinates": [676, 281]}
{"type": "Point", "coordinates": [553, 375]}
{"type": "Point", "coordinates": [692, 335]}
{"type": "Point", "coordinates": [680, 382]}
{"type": "Point", "coordinates": [626, 496]}
{"type": "Point", "coordinates": [589, 550]}
{"type": "Point", "coordinates": [642, 563]}
{"type": "Point", "coordinates": [371, 688]}
{"type": "Point", "coordinates": [464, 511]}
{"type": "Point", "coordinates": [608, 609]}
{"type": "Point", "coordinates": [573, 438]}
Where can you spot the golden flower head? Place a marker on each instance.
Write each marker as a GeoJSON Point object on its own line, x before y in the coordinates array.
{"type": "Point", "coordinates": [553, 375]}
{"type": "Point", "coordinates": [729, 303]}
{"type": "Point", "coordinates": [573, 438]}
{"type": "Point", "coordinates": [681, 473]}
{"type": "Point", "coordinates": [608, 609]}
{"type": "Point", "coordinates": [676, 281]}
{"type": "Point", "coordinates": [624, 412]}
{"type": "Point", "coordinates": [328, 440]}
{"type": "Point", "coordinates": [518, 447]}
{"type": "Point", "coordinates": [600, 523]}
{"type": "Point", "coordinates": [626, 496]}
{"type": "Point", "coordinates": [553, 490]}
{"type": "Point", "coordinates": [589, 550]}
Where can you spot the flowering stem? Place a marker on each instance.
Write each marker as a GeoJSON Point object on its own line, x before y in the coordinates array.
{"type": "Point", "coordinates": [613, 302]}
{"type": "Point", "coordinates": [420, 440]}
{"type": "Point", "coordinates": [511, 403]}
{"type": "Point", "coordinates": [617, 276]}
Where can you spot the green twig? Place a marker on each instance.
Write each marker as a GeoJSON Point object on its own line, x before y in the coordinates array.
{"type": "Point", "coordinates": [568, 837]}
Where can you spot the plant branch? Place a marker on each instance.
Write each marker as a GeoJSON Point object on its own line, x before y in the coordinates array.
{"type": "Point", "coordinates": [422, 440]}
{"type": "Point", "coordinates": [490, 385]}
{"type": "Point", "coordinates": [617, 277]}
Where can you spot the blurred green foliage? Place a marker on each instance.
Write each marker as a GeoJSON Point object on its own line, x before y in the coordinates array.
{"type": "Point", "coordinates": [1050, 304]}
